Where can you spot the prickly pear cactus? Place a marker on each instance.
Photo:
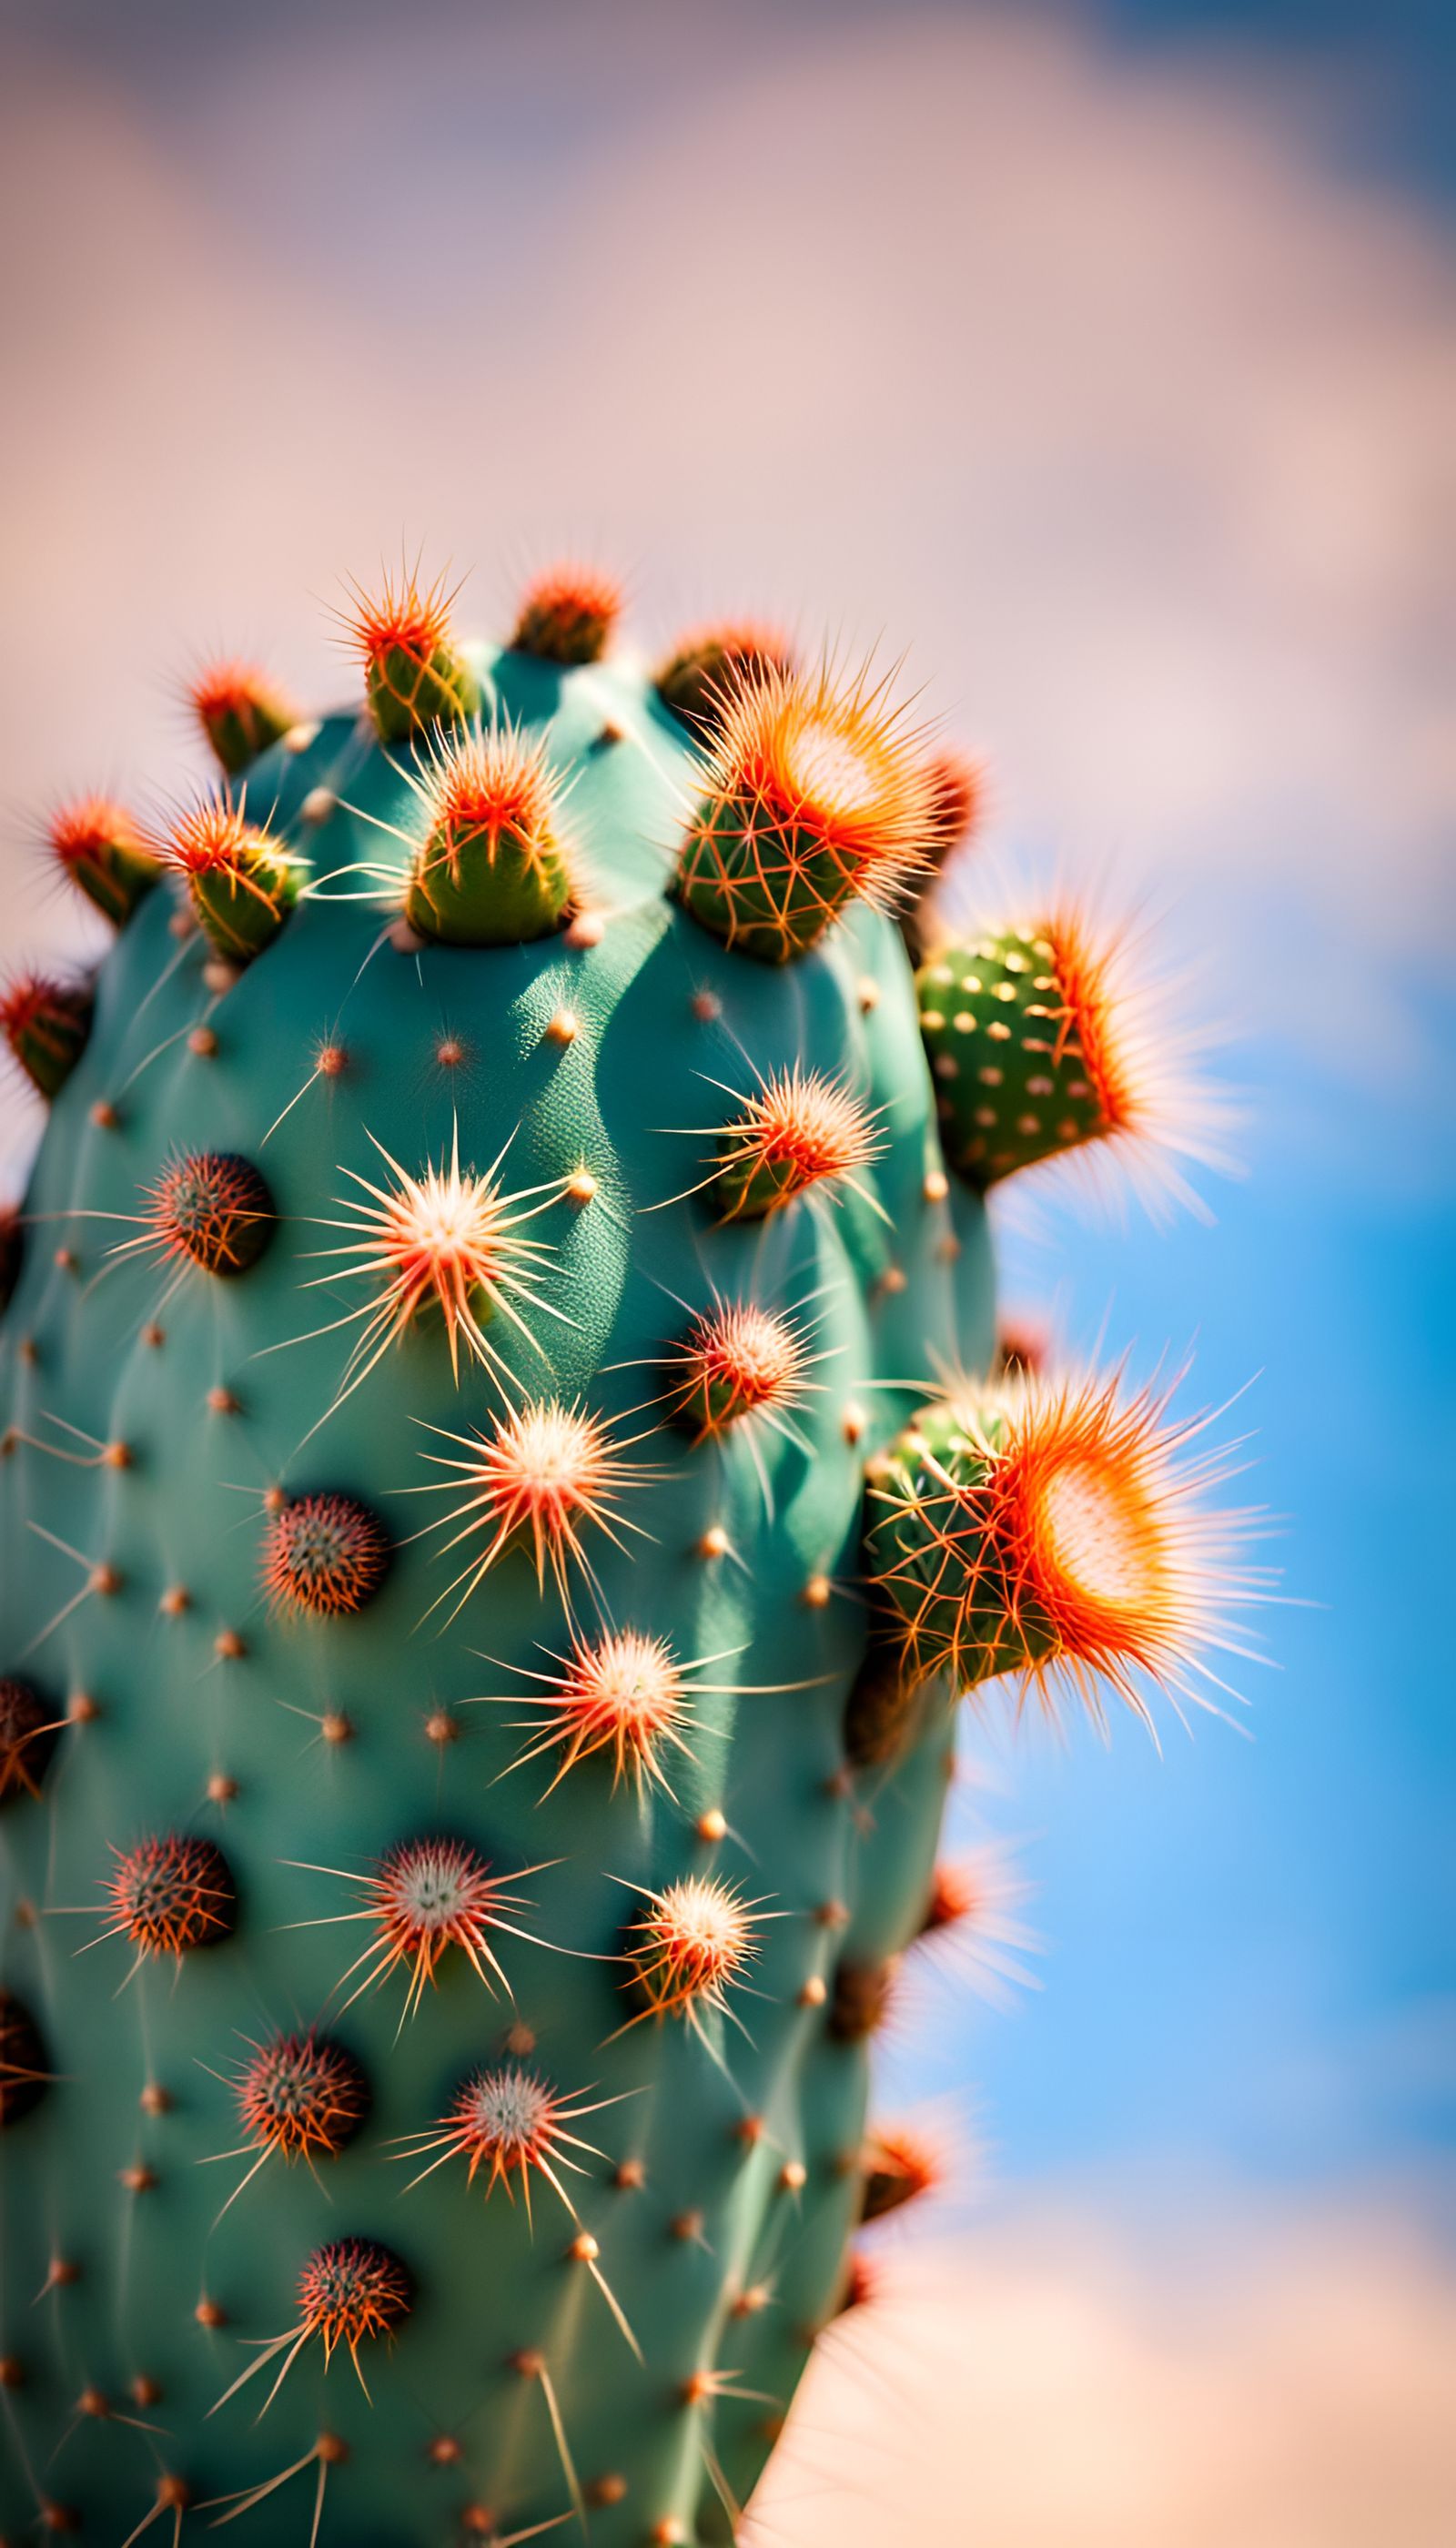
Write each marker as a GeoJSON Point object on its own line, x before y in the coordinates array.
{"type": "Point", "coordinates": [489, 1567]}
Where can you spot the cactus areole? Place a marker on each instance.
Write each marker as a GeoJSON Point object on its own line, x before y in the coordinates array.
{"type": "Point", "coordinates": [492, 1560]}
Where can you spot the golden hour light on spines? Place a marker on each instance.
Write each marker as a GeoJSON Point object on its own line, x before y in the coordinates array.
{"type": "Point", "coordinates": [421, 1900]}
{"type": "Point", "coordinates": [567, 613]}
{"type": "Point", "coordinates": [1057, 1531]}
{"type": "Point", "coordinates": [972, 1931]}
{"type": "Point", "coordinates": [543, 1477]}
{"type": "Point", "coordinates": [814, 792]}
{"type": "Point", "coordinates": [1061, 1032]}
{"type": "Point", "coordinates": [102, 849]}
{"type": "Point", "coordinates": [447, 1243]}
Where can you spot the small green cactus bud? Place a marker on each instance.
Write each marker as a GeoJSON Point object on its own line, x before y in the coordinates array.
{"type": "Point", "coordinates": [567, 615]}
{"type": "Point", "coordinates": [814, 796]}
{"type": "Point", "coordinates": [241, 882]}
{"type": "Point", "coordinates": [490, 869]}
{"type": "Point", "coordinates": [97, 843]}
{"type": "Point", "coordinates": [1044, 1531]}
{"type": "Point", "coordinates": [414, 676]}
{"type": "Point", "coordinates": [1042, 1041]}
{"type": "Point", "coordinates": [706, 670]}
{"type": "Point", "coordinates": [46, 1024]}
{"type": "Point", "coordinates": [242, 711]}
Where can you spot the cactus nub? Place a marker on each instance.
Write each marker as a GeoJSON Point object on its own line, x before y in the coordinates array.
{"type": "Point", "coordinates": [46, 1024]}
{"type": "Point", "coordinates": [693, 1941]}
{"type": "Point", "coordinates": [326, 1554]}
{"type": "Point", "coordinates": [506, 2123]}
{"type": "Point", "coordinates": [490, 869]}
{"type": "Point", "coordinates": [241, 710]}
{"type": "Point", "coordinates": [302, 2096]}
{"type": "Point", "coordinates": [566, 615]}
{"type": "Point", "coordinates": [702, 678]}
{"type": "Point", "coordinates": [352, 2290]}
{"type": "Point", "coordinates": [241, 882]}
{"type": "Point", "coordinates": [415, 675]}
{"type": "Point", "coordinates": [812, 795]}
{"type": "Point", "coordinates": [537, 1481]}
{"type": "Point", "coordinates": [211, 1210]}
{"type": "Point", "coordinates": [736, 1360]}
{"type": "Point", "coordinates": [796, 1131]}
{"type": "Point", "coordinates": [1052, 1532]}
{"type": "Point", "coordinates": [1042, 1042]}
{"type": "Point", "coordinates": [622, 1693]}
{"type": "Point", "coordinates": [97, 843]}
{"type": "Point", "coordinates": [899, 2165]}
{"type": "Point", "coordinates": [170, 1895]}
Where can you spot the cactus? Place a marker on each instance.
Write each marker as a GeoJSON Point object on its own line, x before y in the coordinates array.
{"type": "Point", "coordinates": [490, 1570]}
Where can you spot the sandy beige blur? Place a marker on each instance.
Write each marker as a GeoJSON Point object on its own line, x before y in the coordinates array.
{"type": "Point", "coordinates": [1037, 2387]}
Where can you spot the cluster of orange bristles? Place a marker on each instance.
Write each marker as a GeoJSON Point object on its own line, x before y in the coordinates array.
{"type": "Point", "coordinates": [170, 1895]}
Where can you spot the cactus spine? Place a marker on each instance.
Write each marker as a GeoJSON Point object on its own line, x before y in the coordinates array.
{"type": "Point", "coordinates": [490, 1574]}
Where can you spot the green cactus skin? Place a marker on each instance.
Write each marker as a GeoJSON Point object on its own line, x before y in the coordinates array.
{"type": "Point", "coordinates": [1007, 1035]}
{"type": "Point", "coordinates": [203, 1702]}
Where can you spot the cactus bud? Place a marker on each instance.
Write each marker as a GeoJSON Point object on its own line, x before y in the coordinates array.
{"type": "Point", "coordinates": [97, 843]}
{"type": "Point", "coordinates": [812, 795]}
{"type": "Point", "coordinates": [46, 1024]}
{"type": "Point", "coordinates": [706, 670]}
{"type": "Point", "coordinates": [242, 711]}
{"type": "Point", "coordinates": [414, 676]}
{"type": "Point", "coordinates": [490, 869]}
{"type": "Point", "coordinates": [241, 882]}
{"type": "Point", "coordinates": [566, 615]}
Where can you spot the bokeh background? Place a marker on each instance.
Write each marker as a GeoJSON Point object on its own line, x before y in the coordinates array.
{"type": "Point", "coordinates": [1101, 362]}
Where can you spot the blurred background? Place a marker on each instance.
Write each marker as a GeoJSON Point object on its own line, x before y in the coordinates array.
{"type": "Point", "coordinates": [1101, 363]}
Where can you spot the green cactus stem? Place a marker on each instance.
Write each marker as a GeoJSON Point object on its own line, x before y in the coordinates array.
{"type": "Point", "coordinates": [472, 1757]}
